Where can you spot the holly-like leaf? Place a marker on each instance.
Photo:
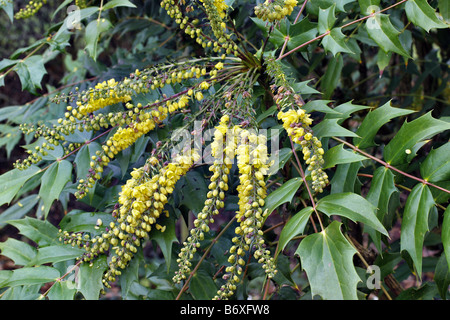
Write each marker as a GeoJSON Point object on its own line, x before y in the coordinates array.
{"type": "Point", "coordinates": [62, 290]}
{"type": "Point", "coordinates": [381, 30]}
{"type": "Point", "coordinates": [335, 42]}
{"type": "Point", "coordinates": [203, 286]}
{"type": "Point", "coordinates": [19, 209]}
{"type": "Point", "coordinates": [410, 134]}
{"type": "Point", "coordinates": [320, 106]}
{"type": "Point", "coordinates": [345, 179]}
{"type": "Point", "coordinates": [381, 190]}
{"type": "Point", "coordinates": [332, 76]}
{"type": "Point", "coordinates": [283, 194]}
{"type": "Point", "coordinates": [415, 223]}
{"type": "Point", "coordinates": [374, 121]}
{"type": "Point", "coordinates": [423, 15]}
{"type": "Point", "coordinates": [193, 191]}
{"type": "Point", "coordinates": [300, 33]}
{"type": "Point", "coordinates": [56, 253]}
{"type": "Point", "coordinates": [90, 278]}
{"type": "Point", "coordinates": [353, 207]}
{"type": "Point", "coordinates": [13, 180]}
{"type": "Point", "coordinates": [53, 182]}
{"type": "Point", "coordinates": [327, 258]}
{"type": "Point", "coordinates": [18, 251]}
{"type": "Point", "coordinates": [383, 59]}
{"type": "Point", "coordinates": [8, 7]}
{"type": "Point", "coordinates": [344, 111]}
{"type": "Point", "coordinates": [326, 18]}
{"type": "Point", "coordinates": [78, 220]}
{"type": "Point", "coordinates": [31, 71]}
{"type": "Point", "coordinates": [436, 166]}
{"type": "Point", "coordinates": [331, 128]}
{"type": "Point", "coordinates": [165, 239]}
{"type": "Point", "coordinates": [83, 158]}
{"type": "Point", "coordinates": [295, 226]}
{"type": "Point", "coordinates": [40, 231]}
{"type": "Point", "coordinates": [442, 277]}
{"type": "Point", "coordinates": [339, 155]}
{"type": "Point", "coordinates": [93, 31]}
{"type": "Point", "coordinates": [32, 275]}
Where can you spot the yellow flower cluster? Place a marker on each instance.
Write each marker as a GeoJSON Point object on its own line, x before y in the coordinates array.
{"type": "Point", "coordinates": [141, 203]}
{"type": "Point", "coordinates": [253, 164]}
{"type": "Point", "coordinates": [275, 10]}
{"type": "Point", "coordinates": [220, 6]}
{"type": "Point", "coordinates": [296, 123]}
{"type": "Point", "coordinates": [141, 123]}
{"type": "Point", "coordinates": [108, 97]}
{"type": "Point", "coordinates": [30, 9]}
{"type": "Point", "coordinates": [214, 202]}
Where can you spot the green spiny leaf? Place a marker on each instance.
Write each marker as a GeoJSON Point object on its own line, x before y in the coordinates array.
{"type": "Point", "coordinates": [295, 226]}
{"type": "Point", "coordinates": [283, 194]}
{"type": "Point", "coordinates": [415, 223]}
{"type": "Point", "coordinates": [353, 207]}
{"type": "Point", "coordinates": [334, 42]}
{"type": "Point", "coordinates": [90, 278]}
{"type": "Point", "coordinates": [381, 190]}
{"type": "Point", "coordinates": [374, 121]}
{"type": "Point", "coordinates": [330, 79]}
{"type": "Point", "coordinates": [18, 251]}
{"type": "Point", "coordinates": [339, 155]}
{"type": "Point", "coordinates": [320, 106]}
{"type": "Point", "coordinates": [381, 30]}
{"type": "Point", "coordinates": [436, 166]}
{"type": "Point", "coordinates": [327, 258]}
{"type": "Point", "coordinates": [331, 128]}
{"type": "Point", "coordinates": [53, 182]}
{"type": "Point", "coordinates": [423, 15]}
{"type": "Point", "coordinates": [326, 19]}
{"type": "Point", "coordinates": [62, 290]}
{"type": "Point", "coordinates": [56, 253]}
{"type": "Point", "coordinates": [344, 111]}
{"type": "Point", "coordinates": [410, 134]}
{"type": "Point", "coordinates": [41, 232]}
{"type": "Point", "coordinates": [93, 31]}
{"type": "Point", "coordinates": [12, 181]}
{"type": "Point", "coordinates": [32, 275]}
{"type": "Point", "coordinates": [118, 3]}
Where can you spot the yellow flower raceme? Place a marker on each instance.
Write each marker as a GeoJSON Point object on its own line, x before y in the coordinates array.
{"type": "Point", "coordinates": [253, 164]}
{"type": "Point", "coordinates": [214, 202]}
{"type": "Point", "coordinates": [220, 6]}
{"type": "Point", "coordinates": [274, 10]}
{"type": "Point", "coordinates": [108, 97]}
{"type": "Point", "coordinates": [126, 136]}
{"type": "Point", "coordinates": [140, 205]}
{"type": "Point", "coordinates": [297, 125]}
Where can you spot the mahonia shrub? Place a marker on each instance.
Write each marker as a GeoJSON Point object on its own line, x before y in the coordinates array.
{"type": "Point", "coordinates": [225, 149]}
